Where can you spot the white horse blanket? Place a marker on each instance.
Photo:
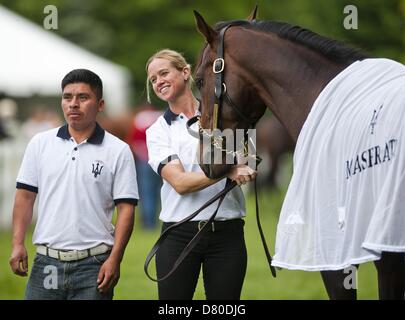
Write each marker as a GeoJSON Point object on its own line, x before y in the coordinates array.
{"type": "Point", "coordinates": [346, 199]}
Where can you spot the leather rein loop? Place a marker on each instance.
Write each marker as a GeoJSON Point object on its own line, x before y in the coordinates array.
{"type": "Point", "coordinates": [193, 242]}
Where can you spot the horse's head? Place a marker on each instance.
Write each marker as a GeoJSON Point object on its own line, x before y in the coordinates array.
{"type": "Point", "coordinates": [229, 103]}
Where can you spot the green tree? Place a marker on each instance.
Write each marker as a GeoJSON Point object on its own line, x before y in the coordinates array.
{"type": "Point", "coordinates": [128, 32]}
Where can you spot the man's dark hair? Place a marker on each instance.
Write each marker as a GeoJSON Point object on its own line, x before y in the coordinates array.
{"type": "Point", "coordinates": [85, 76]}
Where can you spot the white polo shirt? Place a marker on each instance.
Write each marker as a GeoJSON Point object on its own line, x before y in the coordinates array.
{"type": "Point", "coordinates": [168, 139]}
{"type": "Point", "coordinates": [78, 186]}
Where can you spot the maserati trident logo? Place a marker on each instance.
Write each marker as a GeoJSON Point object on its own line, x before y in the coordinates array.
{"type": "Point", "coordinates": [97, 169]}
{"type": "Point", "coordinates": [374, 119]}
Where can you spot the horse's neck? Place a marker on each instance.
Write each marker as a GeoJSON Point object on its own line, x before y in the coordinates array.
{"type": "Point", "coordinates": [291, 80]}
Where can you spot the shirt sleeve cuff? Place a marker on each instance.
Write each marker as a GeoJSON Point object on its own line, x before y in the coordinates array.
{"type": "Point", "coordinates": [27, 187]}
{"type": "Point", "coordinates": [126, 200]}
{"type": "Point", "coordinates": [165, 162]}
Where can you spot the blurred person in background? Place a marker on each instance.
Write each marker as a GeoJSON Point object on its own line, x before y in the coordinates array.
{"type": "Point", "coordinates": [149, 182]}
{"type": "Point", "coordinates": [3, 133]}
{"type": "Point", "coordinates": [9, 125]}
{"type": "Point", "coordinates": [40, 119]}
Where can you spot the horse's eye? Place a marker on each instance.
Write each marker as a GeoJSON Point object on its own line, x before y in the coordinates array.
{"type": "Point", "coordinates": [199, 83]}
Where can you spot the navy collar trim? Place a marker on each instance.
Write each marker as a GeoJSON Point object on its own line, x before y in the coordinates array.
{"type": "Point", "coordinates": [169, 116]}
{"type": "Point", "coordinates": [63, 132]}
{"type": "Point", "coordinates": [96, 137]}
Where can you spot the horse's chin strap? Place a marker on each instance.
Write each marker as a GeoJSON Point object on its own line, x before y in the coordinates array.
{"type": "Point", "coordinates": [217, 141]}
{"type": "Point", "coordinates": [250, 121]}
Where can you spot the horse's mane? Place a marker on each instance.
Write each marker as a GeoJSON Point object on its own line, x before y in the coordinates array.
{"type": "Point", "coordinates": [334, 50]}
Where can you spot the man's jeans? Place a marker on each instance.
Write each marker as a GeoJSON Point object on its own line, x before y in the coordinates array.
{"type": "Point", "coordinates": [51, 279]}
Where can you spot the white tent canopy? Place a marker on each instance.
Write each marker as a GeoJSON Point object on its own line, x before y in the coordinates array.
{"type": "Point", "coordinates": [34, 60]}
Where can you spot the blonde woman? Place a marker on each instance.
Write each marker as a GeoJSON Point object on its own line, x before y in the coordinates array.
{"type": "Point", "coordinates": [172, 154]}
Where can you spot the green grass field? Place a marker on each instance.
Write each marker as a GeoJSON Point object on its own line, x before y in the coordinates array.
{"type": "Point", "coordinates": [259, 284]}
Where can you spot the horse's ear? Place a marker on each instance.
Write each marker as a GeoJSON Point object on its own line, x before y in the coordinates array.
{"type": "Point", "coordinates": [253, 15]}
{"type": "Point", "coordinates": [204, 28]}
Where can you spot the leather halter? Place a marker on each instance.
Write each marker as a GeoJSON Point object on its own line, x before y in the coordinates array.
{"type": "Point", "coordinates": [220, 89]}
{"type": "Point", "coordinates": [220, 94]}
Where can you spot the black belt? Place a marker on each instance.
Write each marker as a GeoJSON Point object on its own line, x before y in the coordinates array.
{"type": "Point", "coordinates": [216, 225]}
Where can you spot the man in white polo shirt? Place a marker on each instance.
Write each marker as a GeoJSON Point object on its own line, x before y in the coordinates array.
{"type": "Point", "coordinates": [80, 173]}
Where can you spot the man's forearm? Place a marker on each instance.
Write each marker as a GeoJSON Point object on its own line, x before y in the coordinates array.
{"type": "Point", "coordinates": [22, 214]}
{"type": "Point", "coordinates": [123, 229]}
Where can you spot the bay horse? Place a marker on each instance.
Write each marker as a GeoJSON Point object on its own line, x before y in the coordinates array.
{"type": "Point", "coordinates": [345, 204]}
